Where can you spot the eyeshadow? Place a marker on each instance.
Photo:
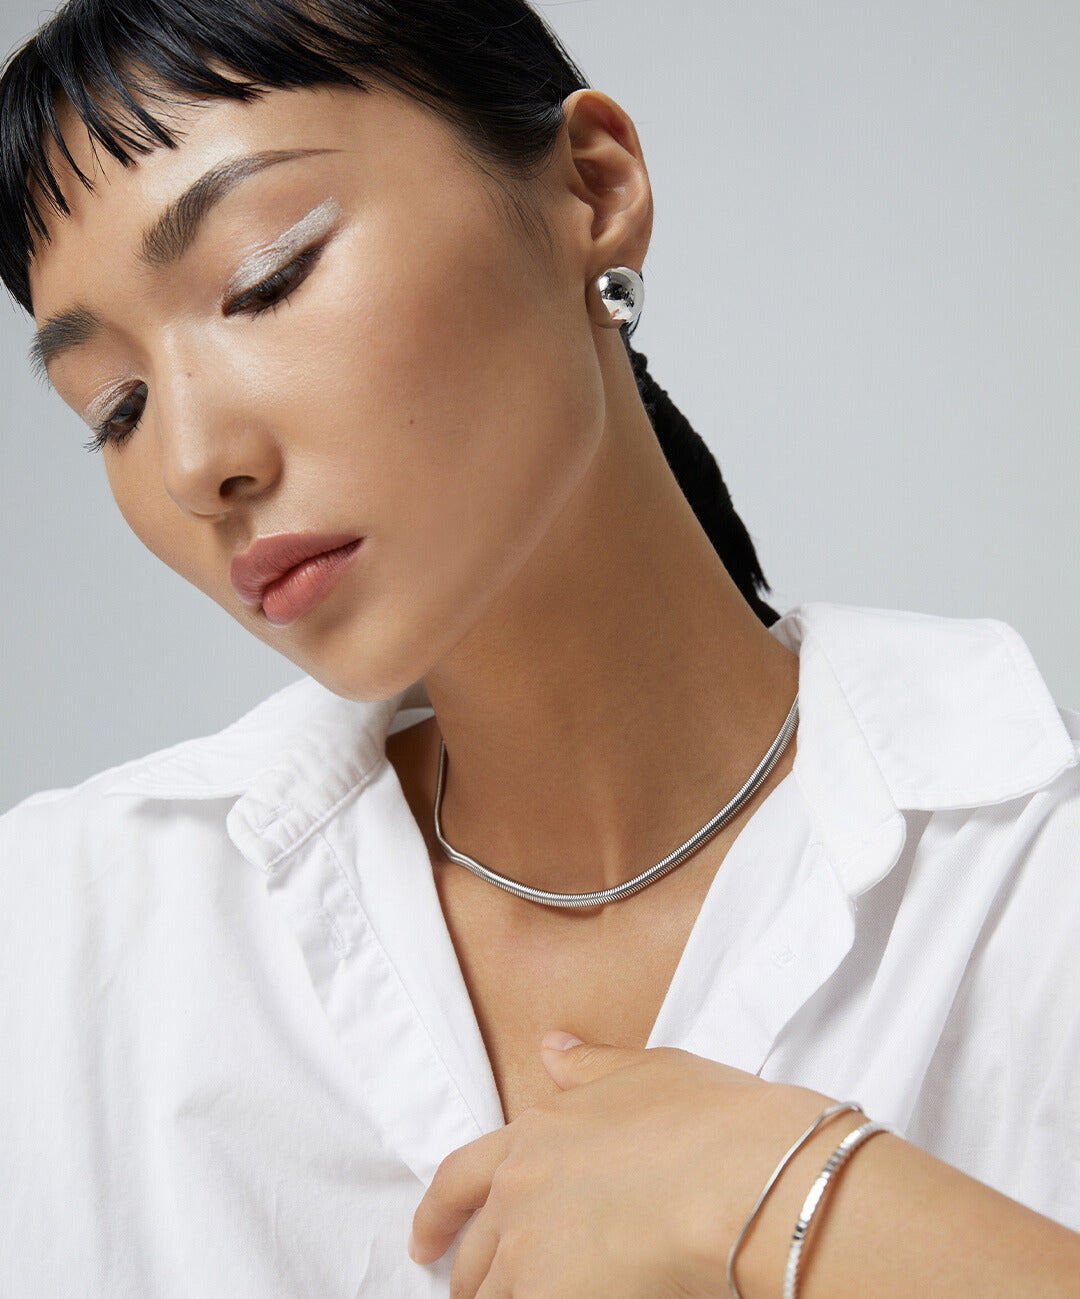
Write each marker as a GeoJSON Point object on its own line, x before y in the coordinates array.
{"type": "Point", "coordinates": [264, 261]}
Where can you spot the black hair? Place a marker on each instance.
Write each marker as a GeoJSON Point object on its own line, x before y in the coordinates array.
{"type": "Point", "coordinates": [492, 69]}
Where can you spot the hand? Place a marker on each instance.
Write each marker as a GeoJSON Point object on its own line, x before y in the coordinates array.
{"type": "Point", "coordinates": [632, 1183]}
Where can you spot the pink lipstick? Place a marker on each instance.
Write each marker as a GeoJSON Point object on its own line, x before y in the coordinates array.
{"type": "Point", "coordinates": [289, 574]}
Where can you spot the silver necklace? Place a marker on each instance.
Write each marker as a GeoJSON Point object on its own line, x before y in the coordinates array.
{"type": "Point", "coordinates": [646, 877]}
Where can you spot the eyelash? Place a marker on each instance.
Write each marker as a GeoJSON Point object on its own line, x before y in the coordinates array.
{"type": "Point", "coordinates": [282, 283]}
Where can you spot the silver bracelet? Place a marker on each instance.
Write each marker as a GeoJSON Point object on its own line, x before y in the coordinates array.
{"type": "Point", "coordinates": [838, 1108]}
{"type": "Point", "coordinates": [837, 1159]}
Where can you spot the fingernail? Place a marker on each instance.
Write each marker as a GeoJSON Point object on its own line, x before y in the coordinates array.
{"type": "Point", "coordinates": [412, 1247]}
{"type": "Point", "coordinates": [557, 1040]}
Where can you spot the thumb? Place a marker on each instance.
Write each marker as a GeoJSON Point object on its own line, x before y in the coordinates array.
{"type": "Point", "coordinates": [571, 1062]}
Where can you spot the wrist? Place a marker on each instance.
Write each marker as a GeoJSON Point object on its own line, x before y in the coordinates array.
{"type": "Point", "coordinates": [762, 1258]}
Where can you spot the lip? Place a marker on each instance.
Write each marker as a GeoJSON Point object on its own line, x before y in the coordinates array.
{"type": "Point", "coordinates": [289, 574]}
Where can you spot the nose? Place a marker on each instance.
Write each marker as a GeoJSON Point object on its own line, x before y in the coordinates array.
{"type": "Point", "coordinates": [217, 449]}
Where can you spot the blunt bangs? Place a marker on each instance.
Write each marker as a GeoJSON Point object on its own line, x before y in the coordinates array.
{"type": "Point", "coordinates": [491, 68]}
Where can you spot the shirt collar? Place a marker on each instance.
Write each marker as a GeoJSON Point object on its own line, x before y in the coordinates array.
{"type": "Point", "coordinates": [901, 710]}
{"type": "Point", "coordinates": [897, 710]}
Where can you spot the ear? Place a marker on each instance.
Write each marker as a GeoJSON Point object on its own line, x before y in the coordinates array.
{"type": "Point", "coordinates": [602, 164]}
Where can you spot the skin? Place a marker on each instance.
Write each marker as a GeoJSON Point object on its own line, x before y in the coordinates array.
{"type": "Point", "coordinates": [438, 387]}
{"type": "Point", "coordinates": [635, 1181]}
{"type": "Point", "coordinates": [445, 387]}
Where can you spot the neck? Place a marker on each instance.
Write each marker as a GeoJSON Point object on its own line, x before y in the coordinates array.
{"type": "Point", "coordinates": [617, 694]}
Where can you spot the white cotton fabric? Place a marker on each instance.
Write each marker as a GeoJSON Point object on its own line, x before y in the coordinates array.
{"type": "Point", "coordinates": [235, 1041]}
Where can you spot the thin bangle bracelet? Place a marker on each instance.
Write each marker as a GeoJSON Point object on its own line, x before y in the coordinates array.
{"type": "Point", "coordinates": [837, 1159]}
{"type": "Point", "coordinates": [839, 1108]}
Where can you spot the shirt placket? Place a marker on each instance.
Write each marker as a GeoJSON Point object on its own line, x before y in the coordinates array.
{"type": "Point", "coordinates": [374, 952]}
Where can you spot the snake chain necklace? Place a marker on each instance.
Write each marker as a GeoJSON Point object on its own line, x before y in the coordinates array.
{"type": "Point", "coordinates": [646, 877]}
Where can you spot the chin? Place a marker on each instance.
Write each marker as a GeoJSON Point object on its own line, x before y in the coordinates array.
{"type": "Point", "coordinates": [360, 672]}
{"type": "Point", "coordinates": [371, 652]}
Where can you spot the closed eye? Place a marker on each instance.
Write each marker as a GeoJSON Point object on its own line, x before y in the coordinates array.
{"type": "Point", "coordinates": [276, 287]}
{"type": "Point", "coordinates": [119, 425]}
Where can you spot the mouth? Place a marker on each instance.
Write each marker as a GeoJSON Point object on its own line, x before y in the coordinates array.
{"type": "Point", "coordinates": [303, 587]}
{"type": "Point", "coordinates": [286, 576]}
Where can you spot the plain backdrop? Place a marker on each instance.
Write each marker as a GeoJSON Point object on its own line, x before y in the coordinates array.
{"type": "Point", "coordinates": [862, 289]}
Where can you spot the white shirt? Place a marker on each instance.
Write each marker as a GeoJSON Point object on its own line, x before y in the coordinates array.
{"type": "Point", "coordinates": [235, 1041]}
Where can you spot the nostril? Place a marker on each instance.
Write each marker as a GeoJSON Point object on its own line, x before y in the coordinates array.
{"type": "Point", "coordinates": [231, 485]}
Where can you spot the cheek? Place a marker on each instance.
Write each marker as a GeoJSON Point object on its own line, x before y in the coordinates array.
{"type": "Point", "coordinates": [135, 480]}
{"type": "Point", "coordinates": [474, 386]}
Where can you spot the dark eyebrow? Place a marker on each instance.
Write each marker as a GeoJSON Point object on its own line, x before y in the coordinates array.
{"type": "Point", "coordinates": [165, 241]}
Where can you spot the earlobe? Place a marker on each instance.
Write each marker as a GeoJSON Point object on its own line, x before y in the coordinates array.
{"type": "Point", "coordinates": [620, 293]}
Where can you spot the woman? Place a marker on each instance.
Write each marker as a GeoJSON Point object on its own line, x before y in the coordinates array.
{"type": "Point", "coordinates": [529, 921]}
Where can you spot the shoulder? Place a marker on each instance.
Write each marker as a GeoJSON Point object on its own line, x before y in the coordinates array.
{"type": "Point", "coordinates": [303, 748]}
{"type": "Point", "coordinates": [203, 770]}
{"type": "Point", "coordinates": [953, 711]}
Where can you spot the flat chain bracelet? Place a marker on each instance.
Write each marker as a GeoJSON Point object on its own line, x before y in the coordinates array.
{"type": "Point", "coordinates": [839, 1108]}
{"type": "Point", "coordinates": [837, 1159]}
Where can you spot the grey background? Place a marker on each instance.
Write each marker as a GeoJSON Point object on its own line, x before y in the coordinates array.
{"type": "Point", "coordinates": [862, 290]}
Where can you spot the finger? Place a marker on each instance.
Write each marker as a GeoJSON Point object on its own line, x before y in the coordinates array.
{"type": "Point", "coordinates": [586, 1061]}
{"type": "Point", "coordinates": [498, 1284]}
{"type": "Point", "coordinates": [474, 1256]}
{"type": "Point", "coordinates": [460, 1187]}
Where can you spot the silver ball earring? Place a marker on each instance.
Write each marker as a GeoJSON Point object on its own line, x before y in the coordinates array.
{"type": "Point", "coordinates": [622, 291]}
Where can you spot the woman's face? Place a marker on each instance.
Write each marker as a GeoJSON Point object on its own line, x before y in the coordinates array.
{"type": "Point", "coordinates": [352, 341]}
